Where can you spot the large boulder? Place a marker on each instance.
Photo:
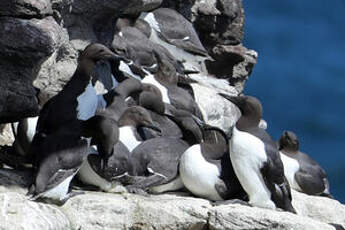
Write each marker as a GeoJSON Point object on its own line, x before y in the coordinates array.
{"type": "Point", "coordinates": [24, 46]}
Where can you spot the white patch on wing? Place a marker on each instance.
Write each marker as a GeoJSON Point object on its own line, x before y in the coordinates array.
{"type": "Point", "coordinates": [32, 123]}
{"type": "Point", "coordinates": [60, 191]}
{"type": "Point", "coordinates": [291, 166]}
{"type": "Point", "coordinates": [248, 155]}
{"type": "Point", "coordinates": [173, 185]}
{"type": "Point", "coordinates": [150, 18]}
{"type": "Point", "coordinates": [128, 138]}
{"type": "Point", "coordinates": [198, 175]}
{"type": "Point", "coordinates": [150, 79]}
{"type": "Point", "coordinates": [156, 173]}
{"type": "Point", "coordinates": [125, 69]}
{"type": "Point", "coordinates": [87, 103]}
{"type": "Point", "coordinates": [189, 60]}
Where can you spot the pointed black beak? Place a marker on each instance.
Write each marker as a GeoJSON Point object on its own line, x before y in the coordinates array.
{"type": "Point", "coordinates": [234, 99]}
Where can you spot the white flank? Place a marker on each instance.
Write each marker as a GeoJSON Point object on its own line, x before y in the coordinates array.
{"type": "Point", "coordinates": [89, 176]}
{"type": "Point", "coordinates": [125, 69]}
{"type": "Point", "coordinates": [291, 166]}
{"type": "Point", "coordinates": [150, 18]}
{"type": "Point", "coordinates": [150, 79]}
{"type": "Point", "coordinates": [101, 102]}
{"type": "Point", "coordinates": [248, 155]}
{"type": "Point", "coordinates": [128, 138]}
{"type": "Point", "coordinates": [87, 103]}
{"type": "Point", "coordinates": [173, 185]}
{"type": "Point", "coordinates": [198, 175]}
{"type": "Point", "coordinates": [32, 123]}
{"type": "Point", "coordinates": [60, 191]}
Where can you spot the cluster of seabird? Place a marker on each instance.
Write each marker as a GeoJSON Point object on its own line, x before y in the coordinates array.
{"type": "Point", "coordinates": [147, 132]}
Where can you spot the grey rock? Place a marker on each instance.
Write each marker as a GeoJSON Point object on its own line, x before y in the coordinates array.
{"type": "Point", "coordinates": [319, 208]}
{"type": "Point", "coordinates": [139, 6]}
{"type": "Point", "coordinates": [234, 63]}
{"type": "Point", "coordinates": [26, 8]}
{"type": "Point", "coordinates": [91, 21]}
{"type": "Point", "coordinates": [243, 217]}
{"type": "Point", "coordinates": [24, 46]}
{"type": "Point", "coordinates": [98, 210]}
{"type": "Point", "coordinates": [56, 71]}
{"type": "Point", "coordinates": [216, 110]}
{"type": "Point", "coordinates": [216, 21]}
{"type": "Point", "coordinates": [6, 134]}
{"type": "Point", "coordinates": [17, 212]}
{"type": "Point", "coordinates": [111, 211]}
{"type": "Point", "coordinates": [219, 22]}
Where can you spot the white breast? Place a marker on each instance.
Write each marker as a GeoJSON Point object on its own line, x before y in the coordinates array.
{"type": "Point", "coordinates": [248, 155]}
{"type": "Point", "coordinates": [198, 175]}
{"type": "Point", "coordinates": [89, 176]}
{"type": "Point", "coordinates": [291, 166]}
{"type": "Point", "coordinates": [87, 103]}
{"type": "Point", "coordinates": [150, 79]}
{"type": "Point", "coordinates": [32, 123]}
{"type": "Point", "coordinates": [128, 138]}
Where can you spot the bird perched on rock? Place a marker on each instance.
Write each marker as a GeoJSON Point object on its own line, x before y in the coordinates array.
{"type": "Point", "coordinates": [303, 173]}
{"type": "Point", "coordinates": [58, 144]}
{"type": "Point", "coordinates": [171, 30]}
{"type": "Point", "coordinates": [256, 159]}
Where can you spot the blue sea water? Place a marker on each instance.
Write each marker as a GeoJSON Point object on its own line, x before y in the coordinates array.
{"type": "Point", "coordinates": [300, 76]}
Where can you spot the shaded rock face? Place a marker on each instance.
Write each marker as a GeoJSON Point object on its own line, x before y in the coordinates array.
{"type": "Point", "coordinates": [220, 25]}
{"type": "Point", "coordinates": [24, 46]}
{"type": "Point", "coordinates": [26, 8]}
{"type": "Point", "coordinates": [216, 21]}
{"type": "Point", "coordinates": [41, 40]}
{"type": "Point", "coordinates": [39, 44]}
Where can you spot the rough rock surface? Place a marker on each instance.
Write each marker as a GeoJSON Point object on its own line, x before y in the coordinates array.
{"type": "Point", "coordinates": [216, 110]}
{"type": "Point", "coordinates": [26, 8]}
{"type": "Point", "coordinates": [24, 46]}
{"type": "Point", "coordinates": [98, 210]}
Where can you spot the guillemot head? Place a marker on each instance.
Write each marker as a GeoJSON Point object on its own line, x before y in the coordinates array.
{"type": "Point", "coordinates": [166, 70]}
{"type": "Point", "coordinates": [289, 142]}
{"type": "Point", "coordinates": [137, 116]}
{"type": "Point", "coordinates": [251, 110]}
{"type": "Point", "coordinates": [92, 54]}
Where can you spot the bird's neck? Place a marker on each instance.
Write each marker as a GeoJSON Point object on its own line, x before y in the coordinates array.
{"type": "Point", "coordinates": [246, 123]}
{"type": "Point", "coordinates": [125, 121]}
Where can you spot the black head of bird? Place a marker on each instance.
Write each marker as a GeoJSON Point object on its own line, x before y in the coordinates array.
{"type": "Point", "coordinates": [166, 70]}
{"type": "Point", "coordinates": [250, 107]}
{"type": "Point", "coordinates": [137, 116]}
{"type": "Point", "coordinates": [289, 142]}
{"type": "Point", "coordinates": [94, 53]}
